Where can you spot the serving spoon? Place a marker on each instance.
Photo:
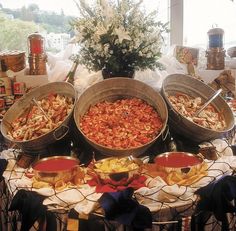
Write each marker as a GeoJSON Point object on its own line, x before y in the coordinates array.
{"type": "Point", "coordinates": [207, 102]}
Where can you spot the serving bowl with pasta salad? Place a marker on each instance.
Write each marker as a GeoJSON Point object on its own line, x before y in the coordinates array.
{"type": "Point", "coordinates": [184, 96]}
{"type": "Point", "coordinates": [40, 117]}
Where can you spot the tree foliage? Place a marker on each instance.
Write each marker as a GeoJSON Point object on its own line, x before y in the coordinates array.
{"type": "Point", "coordinates": [14, 33]}
{"type": "Point", "coordinates": [58, 23]}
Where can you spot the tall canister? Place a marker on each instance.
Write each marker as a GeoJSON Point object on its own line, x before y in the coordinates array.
{"type": "Point", "coordinates": [215, 53]}
{"type": "Point", "coordinates": [37, 56]}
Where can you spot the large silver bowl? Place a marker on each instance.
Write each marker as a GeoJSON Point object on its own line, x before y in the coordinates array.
{"type": "Point", "coordinates": [178, 83]}
{"type": "Point", "coordinates": [22, 105]}
{"type": "Point", "coordinates": [114, 89]}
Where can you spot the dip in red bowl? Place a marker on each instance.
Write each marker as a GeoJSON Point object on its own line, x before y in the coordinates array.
{"type": "Point", "coordinates": [181, 168]}
{"type": "Point", "coordinates": [182, 161]}
{"type": "Point", "coordinates": [55, 168]}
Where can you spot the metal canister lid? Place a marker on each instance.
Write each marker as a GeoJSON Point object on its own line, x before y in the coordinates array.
{"type": "Point", "coordinates": [215, 31]}
{"type": "Point", "coordinates": [35, 35]}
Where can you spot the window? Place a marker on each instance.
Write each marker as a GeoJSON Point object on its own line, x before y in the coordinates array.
{"type": "Point", "coordinates": [202, 15]}
{"type": "Point", "coordinates": [51, 19]}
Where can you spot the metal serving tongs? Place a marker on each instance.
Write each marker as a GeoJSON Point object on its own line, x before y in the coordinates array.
{"type": "Point", "coordinates": [41, 109]}
{"type": "Point", "coordinates": [207, 102]}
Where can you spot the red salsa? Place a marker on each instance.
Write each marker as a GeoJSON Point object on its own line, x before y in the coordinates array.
{"type": "Point", "coordinates": [55, 164]}
{"type": "Point", "coordinates": [177, 160]}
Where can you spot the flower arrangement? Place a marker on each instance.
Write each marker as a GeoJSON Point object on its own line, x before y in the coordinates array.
{"type": "Point", "coordinates": [118, 36]}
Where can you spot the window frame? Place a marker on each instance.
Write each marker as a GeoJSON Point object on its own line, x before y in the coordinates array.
{"type": "Point", "coordinates": [176, 22]}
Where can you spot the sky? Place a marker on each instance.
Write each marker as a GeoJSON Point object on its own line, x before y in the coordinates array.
{"type": "Point", "coordinates": [68, 6]}
{"type": "Point", "coordinates": [199, 17]}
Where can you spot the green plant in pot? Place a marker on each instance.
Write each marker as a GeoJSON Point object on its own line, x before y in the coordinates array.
{"type": "Point", "coordinates": [118, 37]}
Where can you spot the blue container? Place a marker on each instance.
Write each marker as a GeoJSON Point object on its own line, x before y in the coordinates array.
{"type": "Point", "coordinates": [215, 38]}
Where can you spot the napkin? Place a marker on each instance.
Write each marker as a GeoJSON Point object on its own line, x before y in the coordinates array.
{"type": "Point", "coordinates": [218, 197]}
{"type": "Point", "coordinates": [3, 165]}
{"type": "Point", "coordinates": [29, 204]}
{"type": "Point", "coordinates": [123, 208]}
{"type": "Point", "coordinates": [108, 185]}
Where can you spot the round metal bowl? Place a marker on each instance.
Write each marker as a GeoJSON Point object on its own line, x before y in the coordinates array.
{"type": "Point", "coordinates": [181, 162]}
{"type": "Point", "coordinates": [22, 105]}
{"type": "Point", "coordinates": [112, 174]}
{"type": "Point", "coordinates": [56, 168]}
{"type": "Point", "coordinates": [178, 83]}
{"type": "Point", "coordinates": [114, 89]}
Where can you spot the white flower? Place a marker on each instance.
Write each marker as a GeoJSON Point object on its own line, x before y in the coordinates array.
{"type": "Point", "coordinates": [107, 12]}
{"type": "Point", "coordinates": [122, 34]}
{"type": "Point", "coordinates": [106, 48]}
{"type": "Point", "coordinates": [113, 33]}
{"type": "Point", "coordinates": [149, 55]}
{"type": "Point", "coordinates": [124, 51]}
{"type": "Point", "coordinates": [100, 30]}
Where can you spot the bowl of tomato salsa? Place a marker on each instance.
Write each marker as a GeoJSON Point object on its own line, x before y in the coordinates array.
{"type": "Point", "coordinates": [55, 168]}
{"type": "Point", "coordinates": [178, 161]}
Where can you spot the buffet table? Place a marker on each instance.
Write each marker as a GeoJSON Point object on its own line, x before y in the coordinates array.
{"type": "Point", "coordinates": [172, 207]}
{"type": "Point", "coordinates": [80, 207]}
